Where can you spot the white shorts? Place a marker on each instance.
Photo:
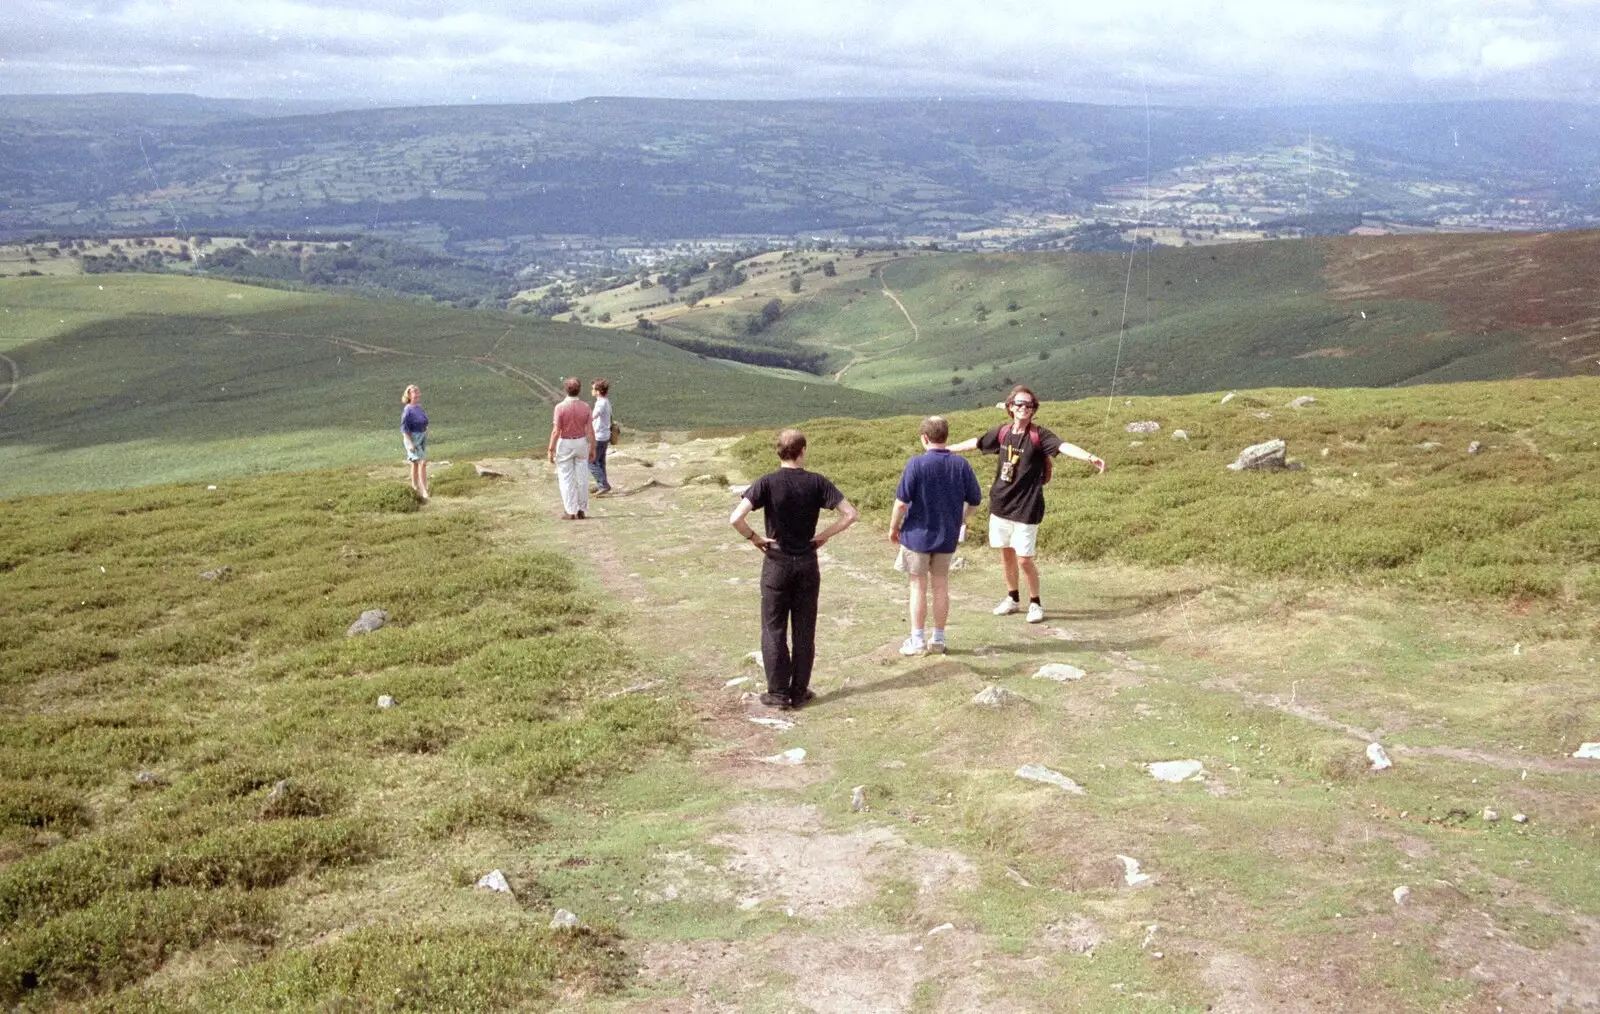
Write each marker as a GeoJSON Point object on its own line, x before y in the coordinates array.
{"type": "Point", "coordinates": [1005, 534]}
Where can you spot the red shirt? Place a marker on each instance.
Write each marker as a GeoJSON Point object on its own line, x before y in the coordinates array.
{"type": "Point", "coordinates": [571, 420]}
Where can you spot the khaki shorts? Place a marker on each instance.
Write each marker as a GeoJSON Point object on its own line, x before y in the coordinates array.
{"type": "Point", "coordinates": [916, 564]}
{"type": "Point", "coordinates": [1005, 534]}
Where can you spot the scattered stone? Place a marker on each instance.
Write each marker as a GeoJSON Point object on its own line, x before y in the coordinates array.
{"type": "Point", "coordinates": [147, 778]}
{"type": "Point", "coordinates": [944, 928]}
{"type": "Point", "coordinates": [211, 489]}
{"type": "Point", "coordinates": [1588, 751]}
{"type": "Point", "coordinates": [1130, 872]}
{"type": "Point", "coordinates": [1143, 426]}
{"type": "Point", "coordinates": [494, 880]}
{"type": "Point", "coordinates": [1491, 816]}
{"type": "Point", "coordinates": [1520, 818]}
{"type": "Point", "coordinates": [370, 620]}
{"type": "Point", "coordinates": [564, 920]}
{"type": "Point", "coordinates": [637, 688]}
{"type": "Point", "coordinates": [754, 658]}
{"type": "Point", "coordinates": [1516, 649]}
{"type": "Point", "coordinates": [995, 697]}
{"type": "Point", "coordinates": [858, 799]}
{"type": "Point", "coordinates": [1227, 397]}
{"type": "Point", "coordinates": [1429, 445]}
{"type": "Point", "coordinates": [1325, 452]}
{"type": "Point", "coordinates": [749, 904]}
{"type": "Point", "coordinates": [1474, 447]}
{"type": "Point", "coordinates": [1150, 932]}
{"type": "Point", "coordinates": [790, 758]}
{"type": "Point", "coordinates": [1302, 401]}
{"type": "Point", "coordinates": [385, 701]}
{"type": "Point", "coordinates": [1271, 454]}
{"type": "Point", "coordinates": [1401, 894]}
{"type": "Point", "coordinates": [1060, 672]}
{"type": "Point", "coordinates": [781, 724]}
{"type": "Point", "coordinates": [737, 681]}
{"type": "Point", "coordinates": [1263, 415]}
{"type": "Point", "coordinates": [959, 563]}
{"type": "Point", "coordinates": [488, 473]}
{"type": "Point", "coordinates": [700, 480]}
{"type": "Point", "coordinates": [1040, 773]}
{"type": "Point", "coordinates": [1378, 756]}
{"type": "Point", "coordinates": [892, 765]}
{"type": "Point", "coordinates": [1175, 771]}
{"type": "Point", "coordinates": [1180, 435]}
{"type": "Point", "coordinates": [216, 573]}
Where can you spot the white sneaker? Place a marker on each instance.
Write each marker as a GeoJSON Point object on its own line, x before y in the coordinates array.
{"type": "Point", "coordinates": [912, 646]}
{"type": "Point", "coordinates": [1007, 606]}
{"type": "Point", "coordinates": [1035, 613]}
{"type": "Point", "coordinates": [937, 648]}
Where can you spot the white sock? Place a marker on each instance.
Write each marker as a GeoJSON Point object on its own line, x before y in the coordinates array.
{"type": "Point", "coordinates": [938, 634]}
{"type": "Point", "coordinates": [916, 634]}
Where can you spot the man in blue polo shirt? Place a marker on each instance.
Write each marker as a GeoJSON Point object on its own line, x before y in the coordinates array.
{"type": "Point", "coordinates": [938, 492]}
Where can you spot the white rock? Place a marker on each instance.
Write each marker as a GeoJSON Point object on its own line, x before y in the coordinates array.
{"type": "Point", "coordinates": [1130, 872]}
{"type": "Point", "coordinates": [959, 563]}
{"type": "Point", "coordinates": [1520, 818]}
{"type": "Point", "coordinates": [945, 928]}
{"type": "Point", "coordinates": [1227, 397]}
{"type": "Point", "coordinates": [754, 658]}
{"type": "Point", "coordinates": [1060, 672]}
{"type": "Point", "coordinates": [746, 904]}
{"type": "Point", "coordinates": [1378, 757]}
{"type": "Point", "coordinates": [494, 880]}
{"type": "Point", "coordinates": [781, 724]}
{"type": "Point", "coordinates": [1143, 426]}
{"type": "Point", "coordinates": [1474, 447]}
{"type": "Point", "coordinates": [858, 799]}
{"type": "Point", "coordinates": [791, 757]}
{"type": "Point", "coordinates": [1302, 401]}
{"type": "Point", "coordinates": [1040, 773]}
{"type": "Point", "coordinates": [1175, 770]}
{"type": "Point", "coordinates": [564, 920]}
{"type": "Point", "coordinates": [211, 489]}
{"type": "Point", "coordinates": [737, 681]}
{"type": "Point", "coordinates": [1491, 816]}
{"type": "Point", "coordinates": [1588, 751]}
{"type": "Point", "coordinates": [1180, 434]}
{"type": "Point", "coordinates": [370, 620]}
{"type": "Point", "coordinates": [385, 701]}
{"type": "Point", "coordinates": [1401, 894]}
{"type": "Point", "coordinates": [1267, 455]}
{"type": "Point", "coordinates": [995, 697]}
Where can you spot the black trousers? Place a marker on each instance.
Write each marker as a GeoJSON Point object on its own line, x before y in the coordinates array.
{"type": "Point", "coordinates": [789, 587]}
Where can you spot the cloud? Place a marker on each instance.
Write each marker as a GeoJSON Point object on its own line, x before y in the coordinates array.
{"type": "Point", "coordinates": [1194, 52]}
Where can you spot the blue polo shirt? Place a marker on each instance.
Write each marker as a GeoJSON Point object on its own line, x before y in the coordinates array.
{"type": "Point", "coordinates": [938, 485]}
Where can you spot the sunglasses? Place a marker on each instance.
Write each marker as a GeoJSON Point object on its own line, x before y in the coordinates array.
{"type": "Point", "coordinates": [1024, 404]}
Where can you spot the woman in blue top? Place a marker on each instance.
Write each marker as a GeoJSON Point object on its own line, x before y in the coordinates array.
{"type": "Point", "coordinates": [414, 431]}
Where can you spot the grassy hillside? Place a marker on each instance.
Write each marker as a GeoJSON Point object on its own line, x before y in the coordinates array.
{"type": "Point", "coordinates": [1388, 492]}
{"type": "Point", "coordinates": [1356, 311]}
{"type": "Point", "coordinates": [128, 379]}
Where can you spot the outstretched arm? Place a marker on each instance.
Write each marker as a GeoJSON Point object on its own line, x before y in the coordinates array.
{"type": "Point", "coordinates": [964, 446]}
{"type": "Point", "coordinates": [1074, 451]}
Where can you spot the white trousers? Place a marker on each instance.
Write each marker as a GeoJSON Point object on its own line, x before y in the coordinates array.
{"type": "Point", "coordinates": [572, 471]}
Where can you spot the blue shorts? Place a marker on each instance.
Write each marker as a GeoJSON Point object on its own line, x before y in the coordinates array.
{"type": "Point", "coordinates": [420, 442]}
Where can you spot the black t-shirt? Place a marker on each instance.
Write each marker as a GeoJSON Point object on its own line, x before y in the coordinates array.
{"type": "Point", "coordinates": [790, 499]}
{"type": "Point", "coordinates": [1018, 492]}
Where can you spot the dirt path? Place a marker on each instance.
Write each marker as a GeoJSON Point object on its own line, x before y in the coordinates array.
{"type": "Point", "coordinates": [962, 887]}
{"type": "Point", "coordinates": [16, 378]}
{"type": "Point", "coordinates": [916, 333]}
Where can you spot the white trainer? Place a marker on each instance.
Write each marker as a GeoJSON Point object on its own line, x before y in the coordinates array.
{"type": "Point", "coordinates": [912, 646]}
{"type": "Point", "coordinates": [1035, 613]}
{"type": "Point", "coordinates": [937, 648]}
{"type": "Point", "coordinates": [1007, 606]}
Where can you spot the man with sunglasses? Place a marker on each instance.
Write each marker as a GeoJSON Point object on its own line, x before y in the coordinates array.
{"type": "Point", "coordinates": [1016, 500]}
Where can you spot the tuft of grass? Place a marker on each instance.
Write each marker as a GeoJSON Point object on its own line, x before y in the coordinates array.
{"type": "Point", "coordinates": [387, 498]}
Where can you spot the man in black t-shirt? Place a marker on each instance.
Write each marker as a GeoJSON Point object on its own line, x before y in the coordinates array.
{"type": "Point", "coordinates": [791, 499]}
{"type": "Point", "coordinates": [1016, 500]}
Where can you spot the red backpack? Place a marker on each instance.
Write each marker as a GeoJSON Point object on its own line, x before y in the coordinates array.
{"type": "Point", "coordinates": [1033, 434]}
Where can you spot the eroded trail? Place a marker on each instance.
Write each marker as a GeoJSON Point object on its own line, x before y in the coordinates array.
{"type": "Point", "coordinates": [746, 885]}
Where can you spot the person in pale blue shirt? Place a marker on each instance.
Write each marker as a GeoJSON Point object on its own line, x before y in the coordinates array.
{"type": "Point", "coordinates": [600, 418]}
{"type": "Point", "coordinates": [937, 493]}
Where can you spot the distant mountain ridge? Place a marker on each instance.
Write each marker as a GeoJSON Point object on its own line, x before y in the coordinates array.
{"type": "Point", "coordinates": [655, 168]}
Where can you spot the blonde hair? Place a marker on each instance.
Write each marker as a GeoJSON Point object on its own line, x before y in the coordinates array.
{"type": "Point", "coordinates": [405, 396]}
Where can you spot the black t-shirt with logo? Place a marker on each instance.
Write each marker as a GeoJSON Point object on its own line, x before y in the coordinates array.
{"type": "Point", "coordinates": [1018, 490]}
{"type": "Point", "coordinates": [790, 500]}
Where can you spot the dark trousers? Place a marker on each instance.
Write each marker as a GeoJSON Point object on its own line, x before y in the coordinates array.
{"type": "Point", "coordinates": [789, 587]}
{"type": "Point", "coordinates": [597, 467]}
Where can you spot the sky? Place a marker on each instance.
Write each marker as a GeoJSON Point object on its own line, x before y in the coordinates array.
{"type": "Point", "coordinates": [1167, 52]}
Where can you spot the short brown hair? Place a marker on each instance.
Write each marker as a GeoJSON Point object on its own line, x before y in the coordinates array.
{"type": "Point", "coordinates": [936, 428]}
{"type": "Point", "coordinates": [1021, 389]}
{"type": "Point", "coordinates": [602, 385]}
{"type": "Point", "coordinates": [791, 444]}
{"type": "Point", "coordinates": [572, 386]}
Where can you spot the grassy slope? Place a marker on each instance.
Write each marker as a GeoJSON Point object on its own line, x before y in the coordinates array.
{"type": "Point", "coordinates": [1520, 518]}
{"type": "Point", "coordinates": [120, 386]}
{"type": "Point", "coordinates": [1438, 308]}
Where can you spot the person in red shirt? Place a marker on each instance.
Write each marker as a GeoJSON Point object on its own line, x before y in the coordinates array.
{"type": "Point", "coordinates": [571, 449]}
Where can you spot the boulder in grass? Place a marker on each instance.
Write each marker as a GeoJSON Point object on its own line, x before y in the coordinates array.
{"type": "Point", "coordinates": [495, 881]}
{"type": "Point", "coordinates": [1272, 454]}
{"type": "Point", "coordinates": [370, 620]}
{"type": "Point", "coordinates": [484, 471]}
{"type": "Point", "coordinates": [995, 697]}
{"type": "Point", "coordinates": [1180, 435]}
{"type": "Point", "coordinates": [1175, 770]}
{"type": "Point", "coordinates": [1040, 773]}
{"type": "Point", "coordinates": [1378, 757]}
{"type": "Point", "coordinates": [1588, 751]}
{"type": "Point", "coordinates": [1060, 672]}
{"type": "Point", "coordinates": [1143, 426]}
{"type": "Point", "coordinates": [1474, 447]}
{"type": "Point", "coordinates": [216, 573]}
{"type": "Point", "coordinates": [564, 920]}
{"type": "Point", "coordinates": [1302, 401]}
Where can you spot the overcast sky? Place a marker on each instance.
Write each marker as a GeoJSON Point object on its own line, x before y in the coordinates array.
{"type": "Point", "coordinates": [403, 52]}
